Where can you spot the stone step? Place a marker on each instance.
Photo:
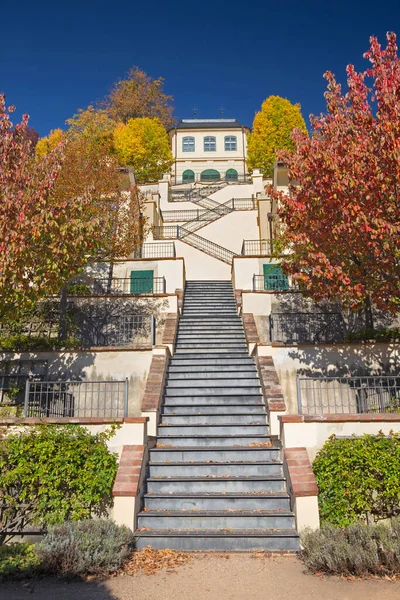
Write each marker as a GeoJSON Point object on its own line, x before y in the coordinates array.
{"type": "Point", "coordinates": [273, 483]}
{"type": "Point", "coordinates": [215, 361]}
{"type": "Point", "coordinates": [217, 335]}
{"type": "Point", "coordinates": [220, 540]}
{"type": "Point", "coordinates": [213, 391]}
{"type": "Point", "coordinates": [226, 351]}
{"type": "Point", "coordinates": [215, 440]}
{"type": "Point", "coordinates": [229, 376]}
{"type": "Point", "coordinates": [214, 381]}
{"type": "Point", "coordinates": [204, 469]}
{"type": "Point", "coordinates": [209, 345]}
{"type": "Point", "coordinates": [181, 369]}
{"type": "Point", "coordinates": [229, 429]}
{"type": "Point", "coordinates": [214, 419]}
{"type": "Point", "coordinates": [239, 502]}
{"type": "Point", "coordinates": [232, 400]}
{"type": "Point", "coordinates": [214, 519]}
{"type": "Point", "coordinates": [212, 410]}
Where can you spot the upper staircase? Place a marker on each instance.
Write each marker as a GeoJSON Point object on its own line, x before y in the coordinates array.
{"type": "Point", "coordinates": [215, 477]}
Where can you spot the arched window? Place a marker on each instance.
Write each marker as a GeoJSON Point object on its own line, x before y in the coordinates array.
{"type": "Point", "coordinates": [231, 175]}
{"type": "Point", "coordinates": [187, 176]}
{"type": "Point", "coordinates": [210, 144]}
{"type": "Point", "coordinates": [210, 175]}
{"type": "Point", "coordinates": [188, 144]}
{"type": "Point", "coordinates": [230, 142]}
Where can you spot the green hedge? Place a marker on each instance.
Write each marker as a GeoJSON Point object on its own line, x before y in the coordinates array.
{"type": "Point", "coordinates": [358, 479]}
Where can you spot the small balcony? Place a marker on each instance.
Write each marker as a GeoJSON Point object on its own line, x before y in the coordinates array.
{"type": "Point", "coordinates": [256, 248]}
{"type": "Point", "coordinates": [156, 250]}
{"type": "Point", "coordinates": [119, 286]}
{"type": "Point", "coordinates": [273, 283]}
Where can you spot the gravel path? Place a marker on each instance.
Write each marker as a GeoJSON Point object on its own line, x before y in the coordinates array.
{"type": "Point", "coordinates": [208, 577]}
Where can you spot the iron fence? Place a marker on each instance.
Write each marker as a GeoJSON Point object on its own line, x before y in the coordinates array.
{"type": "Point", "coordinates": [206, 246]}
{"type": "Point", "coordinates": [181, 216]}
{"type": "Point", "coordinates": [159, 250]}
{"type": "Point", "coordinates": [244, 203]}
{"type": "Point", "coordinates": [272, 282]}
{"type": "Point", "coordinates": [12, 388]}
{"type": "Point", "coordinates": [166, 232]}
{"type": "Point", "coordinates": [117, 330]}
{"type": "Point", "coordinates": [44, 329]}
{"type": "Point", "coordinates": [121, 286]}
{"type": "Point", "coordinates": [348, 395]}
{"type": "Point", "coordinates": [256, 247]}
{"type": "Point", "coordinates": [306, 328]}
{"type": "Point", "coordinates": [76, 399]}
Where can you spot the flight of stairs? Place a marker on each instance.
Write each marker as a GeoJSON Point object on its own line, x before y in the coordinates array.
{"type": "Point", "coordinates": [215, 477]}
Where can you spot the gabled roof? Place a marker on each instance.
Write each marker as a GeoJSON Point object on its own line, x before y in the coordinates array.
{"type": "Point", "coordinates": [209, 124]}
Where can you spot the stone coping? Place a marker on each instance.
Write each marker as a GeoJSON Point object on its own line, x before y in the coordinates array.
{"type": "Point", "coordinates": [155, 383]}
{"type": "Point", "coordinates": [127, 480]}
{"type": "Point", "coordinates": [339, 418]}
{"type": "Point", "coordinates": [300, 471]}
{"type": "Point", "coordinates": [72, 420]}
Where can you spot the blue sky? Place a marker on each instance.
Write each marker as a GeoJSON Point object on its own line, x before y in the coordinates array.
{"type": "Point", "coordinates": [56, 57]}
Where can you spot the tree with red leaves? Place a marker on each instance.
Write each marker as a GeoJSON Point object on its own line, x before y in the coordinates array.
{"type": "Point", "coordinates": [340, 222]}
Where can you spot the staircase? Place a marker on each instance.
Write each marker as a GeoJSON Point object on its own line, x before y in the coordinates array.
{"type": "Point", "coordinates": [215, 479]}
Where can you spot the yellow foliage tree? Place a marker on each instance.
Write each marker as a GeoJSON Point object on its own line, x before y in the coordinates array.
{"type": "Point", "coordinates": [144, 144]}
{"type": "Point", "coordinates": [46, 144]}
{"type": "Point", "coordinates": [92, 123]}
{"type": "Point", "coordinates": [272, 131]}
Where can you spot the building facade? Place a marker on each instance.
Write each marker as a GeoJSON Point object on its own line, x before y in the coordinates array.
{"type": "Point", "coordinates": [209, 150]}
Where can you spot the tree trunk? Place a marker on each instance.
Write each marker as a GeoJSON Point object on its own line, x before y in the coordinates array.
{"type": "Point", "coordinates": [369, 318]}
{"type": "Point", "coordinates": [110, 277]}
{"type": "Point", "coordinates": [62, 329]}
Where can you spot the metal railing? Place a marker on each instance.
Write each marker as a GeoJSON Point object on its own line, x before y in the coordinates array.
{"type": "Point", "coordinates": [76, 399]}
{"type": "Point", "coordinates": [48, 329]}
{"type": "Point", "coordinates": [272, 283]}
{"type": "Point", "coordinates": [181, 216]}
{"type": "Point", "coordinates": [306, 328]}
{"type": "Point", "coordinates": [118, 331]}
{"type": "Point", "coordinates": [121, 286]}
{"type": "Point", "coordinates": [348, 395]}
{"type": "Point", "coordinates": [214, 250]}
{"type": "Point", "coordinates": [256, 247]}
{"type": "Point", "coordinates": [12, 388]}
{"type": "Point", "coordinates": [159, 250]}
{"type": "Point", "coordinates": [166, 232]}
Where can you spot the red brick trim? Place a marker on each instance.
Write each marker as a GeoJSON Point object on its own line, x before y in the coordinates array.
{"type": "Point", "coordinates": [302, 479]}
{"type": "Point", "coordinates": [238, 298]}
{"type": "Point", "coordinates": [340, 418]}
{"type": "Point", "coordinates": [72, 420]}
{"type": "Point", "coordinates": [170, 329]}
{"type": "Point", "coordinates": [250, 328]}
{"type": "Point", "coordinates": [129, 469]}
{"type": "Point", "coordinates": [271, 387]}
{"type": "Point", "coordinates": [155, 383]}
{"type": "Point", "coordinates": [179, 293]}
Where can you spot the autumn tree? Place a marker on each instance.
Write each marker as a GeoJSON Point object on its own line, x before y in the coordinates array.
{"type": "Point", "coordinates": [95, 124]}
{"type": "Point", "coordinates": [139, 95]}
{"type": "Point", "coordinates": [46, 144]}
{"type": "Point", "coordinates": [271, 132]}
{"type": "Point", "coordinates": [57, 212]}
{"type": "Point", "coordinates": [144, 145]}
{"type": "Point", "coordinates": [341, 219]}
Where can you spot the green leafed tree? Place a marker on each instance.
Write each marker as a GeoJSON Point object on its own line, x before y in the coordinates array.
{"type": "Point", "coordinates": [144, 145]}
{"type": "Point", "coordinates": [272, 131]}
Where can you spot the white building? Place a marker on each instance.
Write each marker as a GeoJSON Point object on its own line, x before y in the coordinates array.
{"type": "Point", "coordinates": [209, 150]}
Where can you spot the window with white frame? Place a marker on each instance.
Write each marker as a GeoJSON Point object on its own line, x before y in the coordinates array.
{"type": "Point", "coordinates": [230, 142]}
{"type": "Point", "coordinates": [210, 144]}
{"type": "Point", "coordinates": [188, 144]}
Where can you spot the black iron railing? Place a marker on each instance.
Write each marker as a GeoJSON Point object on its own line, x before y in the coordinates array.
{"type": "Point", "coordinates": [117, 330]}
{"type": "Point", "coordinates": [257, 247]}
{"type": "Point", "coordinates": [158, 250]}
{"type": "Point", "coordinates": [121, 286]}
{"type": "Point", "coordinates": [348, 395]}
{"type": "Point", "coordinates": [306, 328]}
{"type": "Point", "coordinates": [76, 399]}
{"type": "Point", "coordinates": [214, 250]}
{"type": "Point", "coordinates": [272, 283]}
{"type": "Point", "coordinates": [181, 216]}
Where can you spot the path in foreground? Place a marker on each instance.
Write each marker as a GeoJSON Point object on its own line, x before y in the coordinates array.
{"type": "Point", "coordinates": [208, 577]}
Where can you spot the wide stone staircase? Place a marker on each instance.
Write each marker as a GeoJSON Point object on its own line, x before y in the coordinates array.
{"type": "Point", "coordinates": [215, 476]}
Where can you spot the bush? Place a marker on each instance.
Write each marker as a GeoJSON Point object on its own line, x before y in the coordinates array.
{"type": "Point", "coordinates": [384, 334]}
{"type": "Point", "coordinates": [92, 547]}
{"type": "Point", "coordinates": [356, 550]}
{"type": "Point", "coordinates": [52, 473]}
{"type": "Point", "coordinates": [18, 560]}
{"type": "Point", "coordinates": [20, 342]}
{"type": "Point", "coordinates": [358, 479]}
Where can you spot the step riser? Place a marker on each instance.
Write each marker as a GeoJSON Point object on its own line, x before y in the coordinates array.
{"type": "Point", "coordinates": [227, 419]}
{"type": "Point", "coordinates": [192, 430]}
{"type": "Point", "coordinates": [221, 351]}
{"type": "Point", "coordinates": [234, 470]}
{"type": "Point", "coordinates": [177, 371]}
{"type": "Point", "coordinates": [216, 363]}
{"type": "Point", "coordinates": [173, 401]}
{"type": "Point", "coordinates": [212, 441]}
{"type": "Point", "coordinates": [224, 455]}
{"type": "Point", "coordinates": [212, 410]}
{"type": "Point", "coordinates": [213, 486]}
{"type": "Point", "coordinates": [193, 543]}
{"type": "Point", "coordinates": [212, 391]}
{"type": "Point", "coordinates": [213, 522]}
{"type": "Point", "coordinates": [213, 382]}
{"type": "Point", "coordinates": [174, 503]}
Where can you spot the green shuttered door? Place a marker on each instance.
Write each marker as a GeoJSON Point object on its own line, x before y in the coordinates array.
{"type": "Point", "coordinates": [142, 282]}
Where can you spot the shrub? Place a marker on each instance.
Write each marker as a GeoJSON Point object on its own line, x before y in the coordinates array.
{"type": "Point", "coordinates": [358, 478]}
{"type": "Point", "coordinates": [52, 473]}
{"type": "Point", "coordinates": [384, 334]}
{"type": "Point", "coordinates": [355, 550]}
{"type": "Point", "coordinates": [18, 560]}
{"type": "Point", "coordinates": [26, 343]}
{"type": "Point", "coordinates": [91, 547]}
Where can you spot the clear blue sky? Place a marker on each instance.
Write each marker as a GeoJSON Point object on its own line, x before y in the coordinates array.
{"type": "Point", "coordinates": [58, 56]}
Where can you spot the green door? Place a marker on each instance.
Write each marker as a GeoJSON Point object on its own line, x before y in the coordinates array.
{"type": "Point", "coordinates": [142, 282]}
{"type": "Point", "coordinates": [274, 279]}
